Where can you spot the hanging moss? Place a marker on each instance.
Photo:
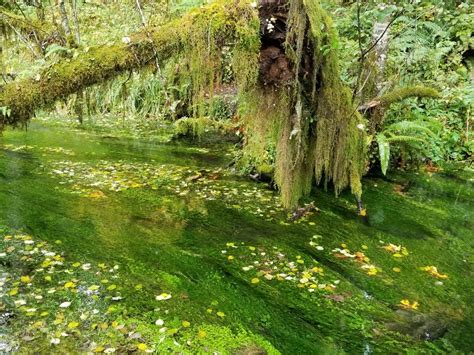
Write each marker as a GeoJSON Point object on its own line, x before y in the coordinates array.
{"type": "Point", "coordinates": [316, 130]}
{"type": "Point", "coordinates": [27, 27]}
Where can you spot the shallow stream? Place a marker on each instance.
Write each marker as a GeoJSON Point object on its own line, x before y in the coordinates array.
{"type": "Point", "coordinates": [207, 261]}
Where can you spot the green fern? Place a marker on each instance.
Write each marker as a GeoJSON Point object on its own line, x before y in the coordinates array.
{"type": "Point", "coordinates": [411, 128]}
{"type": "Point", "coordinates": [402, 132]}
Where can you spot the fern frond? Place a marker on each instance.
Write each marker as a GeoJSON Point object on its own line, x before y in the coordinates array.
{"type": "Point", "coordinates": [411, 128]}
{"type": "Point", "coordinates": [403, 139]}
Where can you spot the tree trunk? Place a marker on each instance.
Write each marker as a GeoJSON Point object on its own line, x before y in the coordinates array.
{"type": "Point", "coordinates": [64, 19]}
{"type": "Point", "coordinates": [75, 21]}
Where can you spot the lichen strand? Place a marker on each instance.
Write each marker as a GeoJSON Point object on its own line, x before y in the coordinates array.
{"type": "Point", "coordinates": [318, 136]}
{"type": "Point", "coordinates": [198, 36]}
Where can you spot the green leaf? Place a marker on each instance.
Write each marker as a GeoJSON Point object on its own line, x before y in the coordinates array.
{"type": "Point", "coordinates": [384, 151]}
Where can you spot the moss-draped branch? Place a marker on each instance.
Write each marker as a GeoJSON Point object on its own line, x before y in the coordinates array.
{"type": "Point", "coordinates": [20, 99]}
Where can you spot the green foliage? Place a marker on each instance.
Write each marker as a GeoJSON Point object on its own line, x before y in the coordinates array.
{"type": "Point", "coordinates": [384, 151]}
{"type": "Point", "coordinates": [197, 126]}
{"type": "Point", "coordinates": [428, 46]}
{"type": "Point", "coordinates": [198, 38]}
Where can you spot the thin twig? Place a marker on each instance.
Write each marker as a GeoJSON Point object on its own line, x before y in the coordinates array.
{"type": "Point", "coordinates": [24, 40]}
{"type": "Point", "coordinates": [395, 17]}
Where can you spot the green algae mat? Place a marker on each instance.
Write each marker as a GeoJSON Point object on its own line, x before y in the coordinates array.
{"type": "Point", "coordinates": [119, 245]}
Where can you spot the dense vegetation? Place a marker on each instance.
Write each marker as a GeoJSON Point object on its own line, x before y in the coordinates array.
{"type": "Point", "coordinates": [265, 104]}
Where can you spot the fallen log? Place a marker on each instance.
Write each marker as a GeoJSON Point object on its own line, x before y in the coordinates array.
{"type": "Point", "coordinates": [20, 99]}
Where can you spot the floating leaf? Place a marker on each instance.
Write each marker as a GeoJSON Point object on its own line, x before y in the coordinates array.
{"type": "Point", "coordinates": [202, 334]}
{"type": "Point", "coordinates": [142, 346]}
{"type": "Point", "coordinates": [25, 279]}
{"type": "Point", "coordinates": [73, 325]}
{"type": "Point", "coordinates": [163, 297]}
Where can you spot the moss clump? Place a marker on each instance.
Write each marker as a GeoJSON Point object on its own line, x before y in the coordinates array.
{"type": "Point", "coordinates": [400, 94]}
{"type": "Point", "coordinates": [196, 126]}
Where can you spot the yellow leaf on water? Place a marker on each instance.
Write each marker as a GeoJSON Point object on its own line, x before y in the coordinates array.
{"type": "Point", "coordinates": [408, 305]}
{"type": "Point", "coordinates": [25, 279]}
{"type": "Point", "coordinates": [73, 325]}
{"type": "Point", "coordinates": [96, 194]}
{"type": "Point", "coordinates": [142, 346]}
{"type": "Point", "coordinates": [202, 334]}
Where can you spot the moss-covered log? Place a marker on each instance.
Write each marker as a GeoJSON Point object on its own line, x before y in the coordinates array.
{"type": "Point", "coordinates": [227, 21]}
